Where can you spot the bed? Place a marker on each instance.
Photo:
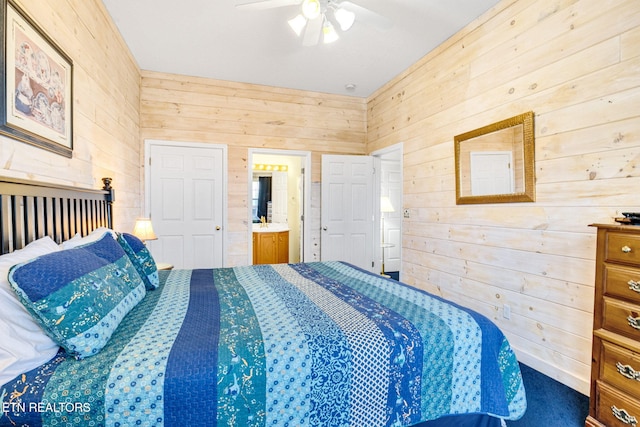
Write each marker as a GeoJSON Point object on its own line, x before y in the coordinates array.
{"type": "Point", "coordinates": [317, 344]}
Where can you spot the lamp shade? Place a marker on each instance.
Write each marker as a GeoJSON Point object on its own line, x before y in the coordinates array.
{"type": "Point", "coordinates": [330, 34]}
{"type": "Point", "coordinates": [345, 18]}
{"type": "Point", "coordinates": [311, 9]}
{"type": "Point", "coordinates": [385, 204]}
{"type": "Point", "coordinates": [143, 229]}
{"type": "Point", "coordinates": [297, 24]}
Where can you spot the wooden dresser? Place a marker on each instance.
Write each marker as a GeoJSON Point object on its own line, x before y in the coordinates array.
{"type": "Point", "coordinates": [615, 371]}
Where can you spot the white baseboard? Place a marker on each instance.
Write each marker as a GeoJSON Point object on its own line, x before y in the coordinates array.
{"type": "Point", "coordinates": [570, 379]}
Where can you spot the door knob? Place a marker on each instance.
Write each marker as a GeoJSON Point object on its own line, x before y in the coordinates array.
{"type": "Point", "coordinates": [324, 228]}
{"type": "Point", "coordinates": [218, 228]}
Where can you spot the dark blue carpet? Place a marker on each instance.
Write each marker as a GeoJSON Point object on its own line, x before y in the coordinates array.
{"type": "Point", "coordinates": [550, 403]}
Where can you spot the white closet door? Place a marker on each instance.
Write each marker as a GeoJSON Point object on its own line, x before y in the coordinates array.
{"type": "Point", "coordinates": [347, 210]}
{"type": "Point", "coordinates": [186, 204]}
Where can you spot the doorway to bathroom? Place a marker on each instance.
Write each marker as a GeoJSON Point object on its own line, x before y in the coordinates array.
{"type": "Point", "coordinates": [278, 198]}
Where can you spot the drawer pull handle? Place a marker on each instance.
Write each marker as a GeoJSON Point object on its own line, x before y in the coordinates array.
{"type": "Point", "coordinates": [624, 416]}
{"type": "Point", "coordinates": [628, 372]}
{"type": "Point", "coordinates": [626, 249]}
{"type": "Point", "coordinates": [634, 322]}
{"type": "Point", "coordinates": [634, 286]}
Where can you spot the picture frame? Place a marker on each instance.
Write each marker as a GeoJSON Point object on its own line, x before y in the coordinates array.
{"type": "Point", "coordinates": [37, 78]}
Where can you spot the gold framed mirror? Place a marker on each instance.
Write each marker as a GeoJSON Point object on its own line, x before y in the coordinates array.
{"type": "Point", "coordinates": [495, 163]}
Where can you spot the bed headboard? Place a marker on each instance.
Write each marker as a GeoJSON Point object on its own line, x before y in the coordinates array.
{"type": "Point", "coordinates": [30, 210]}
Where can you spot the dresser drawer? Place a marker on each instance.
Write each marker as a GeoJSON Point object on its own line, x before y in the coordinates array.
{"type": "Point", "coordinates": [623, 282]}
{"type": "Point", "coordinates": [621, 317]}
{"type": "Point", "coordinates": [615, 409]}
{"type": "Point", "coordinates": [623, 248]}
{"type": "Point", "coordinates": [620, 368]}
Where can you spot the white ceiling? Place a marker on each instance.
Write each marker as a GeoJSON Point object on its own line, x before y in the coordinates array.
{"type": "Point", "coordinates": [213, 38]}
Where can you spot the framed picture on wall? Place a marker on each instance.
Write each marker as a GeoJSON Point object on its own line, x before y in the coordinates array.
{"type": "Point", "coordinates": [37, 102]}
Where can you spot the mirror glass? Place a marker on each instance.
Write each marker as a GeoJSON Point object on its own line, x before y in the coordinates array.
{"type": "Point", "coordinates": [261, 192]}
{"type": "Point", "coordinates": [495, 163]}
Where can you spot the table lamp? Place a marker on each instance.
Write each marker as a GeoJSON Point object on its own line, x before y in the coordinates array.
{"type": "Point", "coordinates": [143, 230]}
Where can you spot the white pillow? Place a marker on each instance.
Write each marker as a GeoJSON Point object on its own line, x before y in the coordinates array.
{"type": "Point", "coordinates": [72, 242]}
{"type": "Point", "coordinates": [24, 345]}
{"type": "Point", "coordinates": [94, 236]}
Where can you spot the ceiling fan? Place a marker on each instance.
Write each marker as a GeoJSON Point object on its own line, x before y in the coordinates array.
{"type": "Point", "coordinates": [319, 18]}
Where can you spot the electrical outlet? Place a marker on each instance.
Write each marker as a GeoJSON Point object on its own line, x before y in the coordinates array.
{"type": "Point", "coordinates": [506, 311]}
{"type": "Point", "coordinates": [406, 213]}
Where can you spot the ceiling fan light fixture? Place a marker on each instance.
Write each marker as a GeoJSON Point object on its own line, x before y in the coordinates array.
{"type": "Point", "coordinates": [297, 24]}
{"type": "Point", "coordinates": [330, 34]}
{"type": "Point", "coordinates": [345, 18]}
{"type": "Point", "coordinates": [311, 9]}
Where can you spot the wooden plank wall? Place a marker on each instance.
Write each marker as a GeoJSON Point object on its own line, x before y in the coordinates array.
{"type": "Point", "coordinates": [576, 64]}
{"type": "Point", "coordinates": [106, 107]}
{"type": "Point", "coordinates": [243, 116]}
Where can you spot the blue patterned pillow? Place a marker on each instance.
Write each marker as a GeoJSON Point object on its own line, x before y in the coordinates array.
{"type": "Point", "coordinates": [141, 259]}
{"type": "Point", "coordinates": [79, 296]}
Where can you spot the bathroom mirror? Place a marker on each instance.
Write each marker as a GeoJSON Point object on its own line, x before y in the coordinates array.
{"type": "Point", "coordinates": [495, 163]}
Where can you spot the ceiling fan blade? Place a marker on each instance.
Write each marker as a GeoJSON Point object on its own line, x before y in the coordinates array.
{"type": "Point", "coordinates": [264, 4]}
{"type": "Point", "coordinates": [312, 32]}
{"type": "Point", "coordinates": [367, 16]}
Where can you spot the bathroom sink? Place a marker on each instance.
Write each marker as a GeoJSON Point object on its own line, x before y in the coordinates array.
{"type": "Point", "coordinates": [270, 228]}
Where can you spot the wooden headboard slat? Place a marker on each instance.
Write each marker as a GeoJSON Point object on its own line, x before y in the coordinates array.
{"type": "Point", "coordinates": [5, 223]}
{"type": "Point", "coordinates": [30, 210]}
{"type": "Point", "coordinates": [56, 212]}
{"type": "Point", "coordinates": [40, 226]}
{"type": "Point", "coordinates": [17, 225]}
{"type": "Point", "coordinates": [67, 219]}
{"type": "Point", "coordinates": [75, 218]}
{"type": "Point", "coordinates": [49, 218]}
{"type": "Point", "coordinates": [30, 218]}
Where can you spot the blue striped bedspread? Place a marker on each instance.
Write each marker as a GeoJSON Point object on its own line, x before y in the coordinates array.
{"type": "Point", "coordinates": [314, 344]}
